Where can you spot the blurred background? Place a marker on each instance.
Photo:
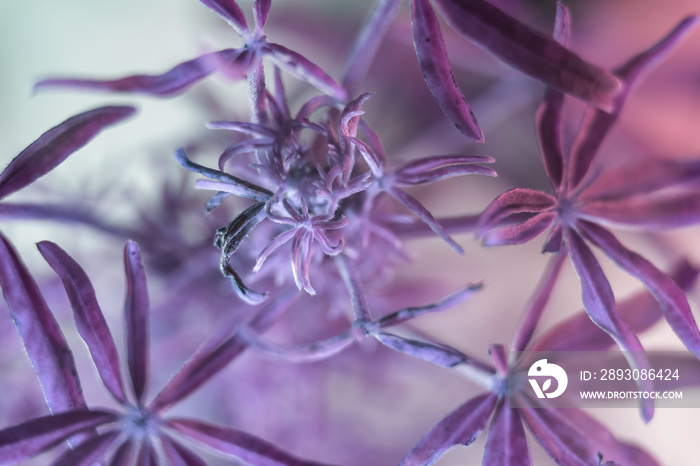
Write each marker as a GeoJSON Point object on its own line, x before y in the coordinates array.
{"type": "Point", "coordinates": [367, 406]}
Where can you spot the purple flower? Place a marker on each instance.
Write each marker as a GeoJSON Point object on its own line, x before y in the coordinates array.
{"type": "Point", "coordinates": [235, 63]}
{"type": "Point", "coordinates": [586, 199]}
{"type": "Point", "coordinates": [569, 435]}
{"type": "Point", "coordinates": [140, 427]}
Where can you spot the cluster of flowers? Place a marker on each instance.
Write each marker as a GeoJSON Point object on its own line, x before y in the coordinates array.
{"type": "Point", "coordinates": [320, 188]}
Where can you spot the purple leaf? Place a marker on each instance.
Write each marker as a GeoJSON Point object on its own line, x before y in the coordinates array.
{"type": "Point", "coordinates": [530, 52]}
{"type": "Point", "coordinates": [515, 201]}
{"type": "Point", "coordinates": [231, 13]}
{"type": "Point", "coordinates": [178, 455]}
{"type": "Point", "coordinates": [89, 452]}
{"type": "Point", "coordinates": [506, 444]}
{"type": "Point", "coordinates": [55, 145]}
{"type": "Point", "coordinates": [423, 213]}
{"type": "Point", "coordinates": [211, 359]}
{"type": "Point", "coordinates": [261, 11]}
{"type": "Point", "coordinates": [303, 69]}
{"type": "Point", "coordinates": [88, 316]}
{"type": "Point", "coordinates": [460, 427]}
{"type": "Point", "coordinates": [599, 303]}
{"type": "Point", "coordinates": [671, 298]}
{"type": "Point", "coordinates": [640, 311]}
{"type": "Point", "coordinates": [520, 233]}
{"type": "Point", "coordinates": [597, 124]}
{"type": "Point", "coordinates": [30, 438]}
{"type": "Point", "coordinates": [564, 443]}
{"type": "Point", "coordinates": [437, 72]}
{"type": "Point", "coordinates": [46, 347]}
{"type": "Point", "coordinates": [238, 444]}
{"type": "Point", "coordinates": [136, 313]}
{"type": "Point", "coordinates": [433, 353]}
{"type": "Point", "coordinates": [447, 302]}
{"type": "Point", "coordinates": [172, 82]}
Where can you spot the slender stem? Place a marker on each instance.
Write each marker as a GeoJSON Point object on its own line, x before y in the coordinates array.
{"type": "Point", "coordinates": [532, 313]}
{"type": "Point", "coordinates": [354, 287]}
{"type": "Point", "coordinates": [418, 229]}
{"type": "Point", "coordinates": [367, 43]}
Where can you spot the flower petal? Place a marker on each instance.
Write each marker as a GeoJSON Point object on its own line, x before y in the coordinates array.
{"type": "Point", "coordinates": [460, 427]}
{"type": "Point", "coordinates": [46, 346]}
{"type": "Point", "coordinates": [599, 302]}
{"type": "Point", "coordinates": [238, 444]}
{"type": "Point", "coordinates": [147, 454]}
{"type": "Point", "coordinates": [439, 355]}
{"type": "Point", "coordinates": [301, 353]}
{"type": "Point", "coordinates": [515, 201]}
{"type": "Point", "coordinates": [521, 232]}
{"type": "Point", "coordinates": [136, 313]}
{"type": "Point", "coordinates": [530, 52]}
{"type": "Point", "coordinates": [437, 72]}
{"type": "Point", "coordinates": [430, 169]}
{"type": "Point", "coordinates": [30, 438]}
{"type": "Point", "coordinates": [597, 124]}
{"type": "Point", "coordinates": [211, 359]}
{"type": "Point", "coordinates": [230, 12]}
{"type": "Point", "coordinates": [124, 455]}
{"type": "Point", "coordinates": [55, 145]}
{"type": "Point", "coordinates": [303, 69]}
{"type": "Point", "coordinates": [506, 444]}
{"type": "Point", "coordinates": [178, 455]}
{"type": "Point", "coordinates": [172, 82]}
{"type": "Point", "coordinates": [89, 452]}
{"type": "Point", "coordinates": [672, 300]}
{"type": "Point", "coordinates": [261, 11]}
{"type": "Point", "coordinates": [88, 317]}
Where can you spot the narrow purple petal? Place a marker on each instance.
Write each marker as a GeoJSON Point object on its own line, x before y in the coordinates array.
{"type": "Point", "coordinates": [440, 355]}
{"type": "Point", "coordinates": [172, 82]}
{"type": "Point", "coordinates": [672, 300]}
{"type": "Point", "coordinates": [136, 313]}
{"type": "Point", "coordinates": [554, 240]}
{"type": "Point", "coordinates": [147, 454]}
{"type": "Point", "coordinates": [231, 13]}
{"type": "Point", "coordinates": [211, 359]}
{"type": "Point", "coordinates": [248, 295]}
{"type": "Point", "coordinates": [55, 145]}
{"type": "Point", "coordinates": [671, 210]}
{"type": "Point", "coordinates": [536, 305]}
{"type": "Point", "coordinates": [597, 124]}
{"type": "Point", "coordinates": [303, 69]}
{"type": "Point", "coordinates": [88, 316]}
{"type": "Point", "coordinates": [499, 357]}
{"type": "Point", "coordinates": [252, 129]}
{"type": "Point", "coordinates": [261, 11]}
{"type": "Point", "coordinates": [238, 444]}
{"type": "Point", "coordinates": [515, 201]}
{"type": "Point", "coordinates": [423, 213]}
{"type": "Point", "coordinates": [640, 311]}
{"type": "Point", "coordinates": [430, 169]}
{"type": "Point", "coordinates": [564, 443]}
{"type": "Point", "coordinates": [178, 455]}
{"type": "Point", "coordinates": [124, 455]}
{"type": "Point", "coordinates": [305, 352]}
{"type": "Point", "coordinates": [30, 438]}
{"type": "Point", "coordinates": [272, 246]}
{"type": "Point", "coordinates": [530, 52]}
{"type": "Point", "coordinates": [406, 314]}
{"type": "Point", "coordinates": [506, 444]}
{"type": "Point", "coordinates": [460, 427]}
{"type": "Point", "coordinates": [437, 72]}
{"type": "Point", "coordinates": [599, 302]}
{"type": "Point", "coordinates": [89, 452]}
{"type": "Point", "coordinates": [520, 233]}
{"type": "Point", "coordinates": [46, 347]}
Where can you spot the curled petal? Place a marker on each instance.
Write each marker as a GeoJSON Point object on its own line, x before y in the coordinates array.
{"type": "Point", "coordinates": [231, 13]}
{"type": "Point", "coordinates": [437, 72]}
{"type": "Point", "coordinates": [506, 444]}
{"type": "Point", "coordinates": [599, 303]}
{"type": "Point", "coordinates": [229, 238]}
{"type": "Point", "coordinates": [172, 82]}
{"type": "Point", "coordinates": [41, 336]}
{"type": "Point", "coordinates": [136, 312]}
{"type": "Point", "coordinates": [303, 69]}
{"type": "Point", "coordinates": [460, 427]}
{"type": "Point", "coordinates": [30, 438]}
{"type": "Point", "coordinates": [55, 145]}
{"type": "Point", "coordinates": [530, 51]}
{"type": "Point", "coordinates": [433, 353]}
{"type": "Point", "coordinates": [326, 246]}
{"type": "Point", "coordinates": [238, 444]}
{"type": "Point", "coordinates": [350, 117]}
{"type": "Point", "coordinates": [248, 295]}
{"type": "Point", "coordinates": [272, 246]}
{"type": "Point", "coordinates": [245, 147]}
{"type": "Point", "coordinates": [89, 319]}
{"type": "Point", "coordinates": [671, 298]}
{"type": "Point", "coordinates": [521, 232]}
{"type": "Point", "coordinates": [216, 200]}
{"type": "Point", "coordinates": [515, 201]}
